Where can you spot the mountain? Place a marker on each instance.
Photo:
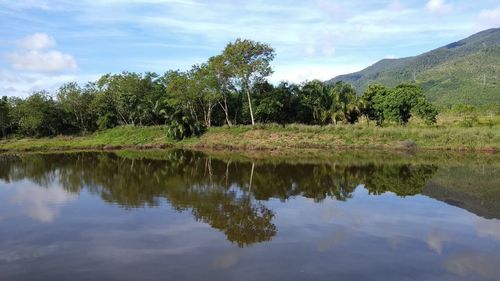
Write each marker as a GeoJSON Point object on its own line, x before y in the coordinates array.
{"type": "Point", "coordinates": [466, 71]}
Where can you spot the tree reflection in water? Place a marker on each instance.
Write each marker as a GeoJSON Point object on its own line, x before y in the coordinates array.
{"type": "Point", "coordinates": [228, 195]}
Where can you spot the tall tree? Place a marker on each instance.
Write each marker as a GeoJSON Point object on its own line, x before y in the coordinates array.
{"type": "Point", "coordinates": [316, 96]}
{"type": "Point", "coordinates": [204, 83]}
{"type": "Point", "coordinates": [345, 105]}
{"type": "Point", "coordinates": [4, 116]}
{"type": "Point", "coordinates": [221, 71]}
{"type": "Point", "coordinates": [249, 63]}
{"type": "Point", "coordinates": [77, 102]}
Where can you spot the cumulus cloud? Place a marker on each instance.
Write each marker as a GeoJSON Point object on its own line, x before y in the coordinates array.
{"type": "Point", "coordinates": [37, 41]}
{"type": "Point", "coordinates": [51, 61]}
{"type": "Point", "coordinates": [34, 54]}
{"type": "Point", "coordinates": [438, 6]}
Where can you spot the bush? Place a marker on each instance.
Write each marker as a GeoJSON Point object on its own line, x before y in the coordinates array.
{"type": "Point", "coordinates": [184, 127]}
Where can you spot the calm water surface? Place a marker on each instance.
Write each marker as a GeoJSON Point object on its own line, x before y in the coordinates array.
{"type": "Point", "coordinates": [187, 216]}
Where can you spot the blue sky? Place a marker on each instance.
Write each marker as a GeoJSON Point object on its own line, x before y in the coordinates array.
{"type": "Point", "coordinates": [45, 43]}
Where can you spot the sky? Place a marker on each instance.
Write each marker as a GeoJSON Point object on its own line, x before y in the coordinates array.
{"type": "Point", "coordinates": [44, 43]}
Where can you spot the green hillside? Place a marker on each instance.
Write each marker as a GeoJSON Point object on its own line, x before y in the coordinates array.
{"type": "Point", "coordinates": [466, 71]}
{"type": "Point", "coordinates": [473, 79]}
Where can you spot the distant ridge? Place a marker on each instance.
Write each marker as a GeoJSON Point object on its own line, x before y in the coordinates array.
{"type": "Point", "coordinates": [466, 71]}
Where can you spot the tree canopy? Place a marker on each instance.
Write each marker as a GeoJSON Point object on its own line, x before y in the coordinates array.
{"type": "Point", "coordinates": [230, 88]}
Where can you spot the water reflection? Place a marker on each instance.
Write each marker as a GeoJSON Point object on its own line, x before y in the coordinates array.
{"type": "Point", "coordinates": [282, 219]}
{"type": "Point", "coordinates": [225, 194]}
{"type": "Point", "coordinates": [42, 205]}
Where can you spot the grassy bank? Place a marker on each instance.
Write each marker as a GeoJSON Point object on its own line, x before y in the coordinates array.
{"type": "Point", "coordinates": [276, 138]}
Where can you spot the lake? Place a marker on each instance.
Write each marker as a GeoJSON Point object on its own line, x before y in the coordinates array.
{"type": "Point", "coordinates": [183, 215]}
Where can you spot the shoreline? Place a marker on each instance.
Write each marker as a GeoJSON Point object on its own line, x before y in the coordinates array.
{"type": "Point", "coordinates": [274, 139]}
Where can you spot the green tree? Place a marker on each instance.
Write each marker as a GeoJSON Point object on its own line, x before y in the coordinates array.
{"type": "Point", "coordinates": [373, 101]}
{"type": "Point", "coordinates": [127, 98]}
{"type": "Point", "coordinates": [180, 97]}
{"type": "Point", "coordinates": [204, 82]}
{"type": "Point", "coordinates": [41, 116]}
{"type": "Point", "coordinates": [222, 74]}
{"type": "Point", "coordinates": [277, 104]}
{"type": "Point", "coordinates": [344, 105]}
{"type": "Point", "coordinates": [77, 103]}
{"type": "Point", "coordinates": [249, 63]}
{"type": "Point", "coordinates": [317, 97]}
{"type": "Point", "coordinates": [405, 100]}
{"type": "Point", "coordinates": [5, 119]}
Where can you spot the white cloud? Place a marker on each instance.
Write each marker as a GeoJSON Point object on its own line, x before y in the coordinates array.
{"type": "Point", "coordinates": [438, 6]}
{"type": "Point", "coordinates": [23, 84]}
{"type": "Point", "coordinates": [37, 41]}
{"type": "Point", "coordinates": [50, 61]}
{"type": "Point", "coordinates": [34, 54]}
{"type": "Point", "coordinates": [310, 71]}
{"type": "Point", "coordinates": [489, 18]}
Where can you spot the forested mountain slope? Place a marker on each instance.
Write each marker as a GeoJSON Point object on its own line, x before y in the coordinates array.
{"type": "Point", "coordinates": [466, 71]}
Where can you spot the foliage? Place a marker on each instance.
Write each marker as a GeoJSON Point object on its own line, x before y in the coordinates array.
{"type": "Point", "coordinates": [41, 116]}
{"type": "Point", "coordinates": [249, 64]}
{"type": "Point", "coordinates": [183, 127]}
{"type": "Point", "coordinates": [230, 88]}
{"type": "Point", "coordinates": [468, 114]}
{"type": "Point", "coordinates": [397, 105]}
{"type": "Point", "coordinates": [77, 102]}
{"type": "Point", "coordinates": [5, 119]}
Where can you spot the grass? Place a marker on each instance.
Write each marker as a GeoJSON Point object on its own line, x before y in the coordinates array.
{"type": "Point", "coordinates": [125, 136]}
{"type": "Point", "coordinates": [446, 135]}
{"type": "Point", "coordinates": [356, 136]}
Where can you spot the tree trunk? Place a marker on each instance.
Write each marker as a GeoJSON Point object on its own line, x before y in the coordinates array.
{"type": "Point", "coordinates": [250, 105]}
{"type": "Point", "coordinates": [226, 111]}
{"type": "Point", "coordinates": [209, 115]}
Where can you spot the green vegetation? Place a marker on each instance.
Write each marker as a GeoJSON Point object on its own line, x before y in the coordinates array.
{"type": "Point", "coordinates": [123, 136]}
{"type": "Point", "coordinates": [464, 72]}
{"type": "Point", "coordinates": [213, 104]}
{"type": "Point", "coordinates": [230, 88]}
{"type": "Point", "coordinates": [448, 134]}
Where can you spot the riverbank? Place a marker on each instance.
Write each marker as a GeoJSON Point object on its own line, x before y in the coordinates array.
{"type": "Point", "coordinates": [277, 138]}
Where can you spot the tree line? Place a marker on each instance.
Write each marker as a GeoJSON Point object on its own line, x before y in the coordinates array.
{"type": "Point", "coordinates": [230, 89]}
